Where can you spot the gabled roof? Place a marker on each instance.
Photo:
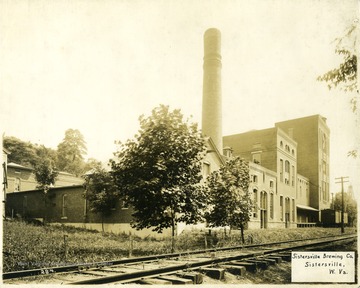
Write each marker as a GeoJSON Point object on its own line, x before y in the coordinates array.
{"type": "Point", "coordinates": [214, 149]}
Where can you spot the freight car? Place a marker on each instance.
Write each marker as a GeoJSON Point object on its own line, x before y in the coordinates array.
{"type": "Point", "coordinates": [332, 218]}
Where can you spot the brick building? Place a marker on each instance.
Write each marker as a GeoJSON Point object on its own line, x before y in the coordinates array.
{"type": "Point", "coordinates": [21, 178]}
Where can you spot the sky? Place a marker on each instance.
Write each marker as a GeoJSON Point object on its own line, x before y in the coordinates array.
{"type": "Point", "coordinates": [96, 66]}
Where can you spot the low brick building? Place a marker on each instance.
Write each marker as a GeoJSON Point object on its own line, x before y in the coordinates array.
{"type": "Point", "coordinates": [66, 205]}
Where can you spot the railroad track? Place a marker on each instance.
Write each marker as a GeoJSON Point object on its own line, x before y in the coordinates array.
{"type": "Point", "coordinates": [176, 268]}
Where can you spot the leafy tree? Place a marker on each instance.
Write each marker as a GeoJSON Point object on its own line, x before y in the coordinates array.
{"type": "Point", "coordinates": [345, 76]}
{"type": "Point", "coordinates": [101, 192]}
{"type": "Point", "coordinates": [158, 172]}
{"type": "Point", "coordinates": [350, 206]}
{"type": "Point", "coordinates": [21, 152]}
{"type": "Point", "coordinates": [230, 203]}
{"type": "Point", "coordinates": [45, 175]}
{"type": "Point", "coordinates": [71, 152]}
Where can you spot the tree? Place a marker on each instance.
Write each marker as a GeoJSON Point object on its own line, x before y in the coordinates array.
{"type": "Point", "coordinates": [45, 175]}
{"type": "Point", "coordinates": [159, 171]}
{"type": "Point", "coordinates": [71, 152]}
{"type": "Point", "coordinates": [23, 153]}
{"type": "Point", "coordinates": [101, 192]}
{"type": "Point", "coordinates": [230, 203]}
{"type": "Point", "coordinates": [345, 76]}
{"type": "Point", "coordinates": [350, 206]}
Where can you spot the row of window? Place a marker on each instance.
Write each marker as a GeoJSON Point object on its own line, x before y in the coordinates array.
{"type": "Point", "coordinates": [255, 179]}
{"type": "Point", "coordinates": [287, 148]}
{"type": "Point", "coordinates": [286, 175]}
{"type": "Point", "coordinates": [287, 207]}
{"type": "Point", "coordinates": [263, 203]}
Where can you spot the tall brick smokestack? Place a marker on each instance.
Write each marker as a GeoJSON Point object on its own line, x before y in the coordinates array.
{"type": "Point", "coordinates": [211, 106]}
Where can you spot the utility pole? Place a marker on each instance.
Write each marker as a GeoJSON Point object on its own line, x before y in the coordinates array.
{"type": "Point", "coordinates": [342, 181]}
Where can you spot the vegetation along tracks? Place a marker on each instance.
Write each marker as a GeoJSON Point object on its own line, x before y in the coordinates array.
{"type": "Point", "coordinates": [185, 268]}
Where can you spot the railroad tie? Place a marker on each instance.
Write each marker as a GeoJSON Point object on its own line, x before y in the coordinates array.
{"type": "Point", "coordinates": [259, 263]}
{"type": "Point", "coordinates": [268, 259]}
{"type": "Point", "coordinates": [215, 273]}
{"type": "Point", "coordinates": [234, 269]}
{"type": "Point", "coordinates": [154, 281]}
{"type": "Point", "coordinates": [276, 258]}
{"type": "Point", "coordinates": [284, 256]}
{"type": "Point", "coordinates": [175, 280]}
{"type": "Point", "coordinates": [248, 266]}
{"type": "Point", "coordinates": [197, 278]}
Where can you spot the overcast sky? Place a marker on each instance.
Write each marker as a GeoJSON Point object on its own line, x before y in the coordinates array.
{"type": "Point", "coordinates": [97, 66]}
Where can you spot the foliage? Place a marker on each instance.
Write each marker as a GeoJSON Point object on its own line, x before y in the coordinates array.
{"type": "Point", "coordinates": [229, 195]}
{"type": "Point", "coordinates": [71, 152]}
{"type": "Point", "coordinates": [21, 152]}
{"type": "Point", "coordinates": [159, 171]}
{"type": "Point", "coordinates": [350, 206]}
{"type": "Point", "coordinates": [100, 191]}
{"type": "Point", "coordinates": [344, 76]}
{"type": "Point", "coordinates": [45, 174]}
{"type": "Point", "coordinates": [91, 164]}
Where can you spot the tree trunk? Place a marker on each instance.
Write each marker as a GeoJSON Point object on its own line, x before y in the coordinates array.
{"type": "Point", "coordinates": [173, 234]}
{"type": "Point", "coordinates": [242, 233]}
{"type": "Point", "coordinates": [102, 224]}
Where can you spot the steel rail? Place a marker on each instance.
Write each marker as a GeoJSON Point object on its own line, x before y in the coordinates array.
{"type": "Point", "coordinates": [69, 268]}
{"type": "Point", "coordinates": [133, 276]}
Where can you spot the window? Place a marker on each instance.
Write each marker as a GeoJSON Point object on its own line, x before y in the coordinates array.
{"type": "Point", "coordinates": [271, 205]}
{"type": "Point", "coordinates": [64, 207]}
{"type": "Point", "coordinates": [256, 158]}
{"type": "Point", "coordinates": [255, 205]}
{"type": "Point", "coordinates": [281, 208]}
{"type": "Point", "coordinates": [324, 168]}
{"type": "Point", "coordinates": [324, 190]}
{"type": "Point", "coordinates": [324, 142]}
{"type": "Point", "coordinates": [206, 170]}
{"type": "Point", "coordinates": [271, 184]}
{"type": "Point", "coordinates": [254, 179]}
{"type": "Point", "coordinates": [17, 185]}
{"type": "Point", "coordinates": [287, 148]}
{"type": "Point", "coordinates": [281, 144]}
{"type": "Point", "coordinates": [287, 210]}
{"type": "Point", "coordinates": [281, 170]}
{"type": "Point", "coordinates": [287, 166]}
{"type": "Point", "coordinates": [293, 175]}
{"type": "Point", "coordinates": [293, 210]}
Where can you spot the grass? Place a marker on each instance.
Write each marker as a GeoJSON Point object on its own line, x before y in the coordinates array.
{"type": "Point", "coordinates": [26, 246]}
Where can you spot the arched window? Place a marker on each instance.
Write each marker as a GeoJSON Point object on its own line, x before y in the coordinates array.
{"type": "Point", "coordinates": [255, 201]}
{"type": "Point", "coordinates": [287, 166]}
{"type": "Point", "coordinates": [281, 144]}
{"type": "Point", "coordinates": [271, 205]}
